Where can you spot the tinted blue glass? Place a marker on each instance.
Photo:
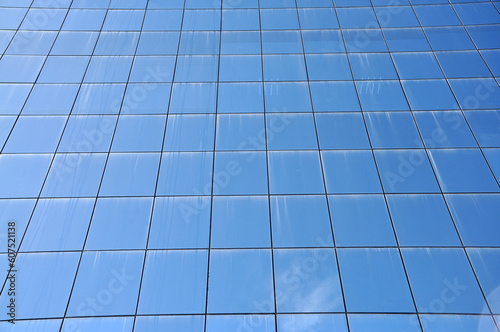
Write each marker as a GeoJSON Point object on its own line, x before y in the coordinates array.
{"type": "Point", "coordinates": [83, 19]}
{"type": "Point", "coordinates": [282, 41]}
{"type": "Point", "coordinates": [174, 282]}
{"type": "Point", "coordinates": [152, 69]}
{"type": "Point", "coordinates": [117, 43]}
{"type": "Point", "coordinates": [44, 19]}
{"type": "Point", "coordinates": [300, 221]}
{"type": "Point", "coordinates": [396, 17]}
{"type": "Point", "coordinates": [74, 175]}
{"type": "Point", "coordinates": [162, 20]}
{"type": "Point", "coordinates": [492, 60]}
{"type": "Point", "coordinates": [240, 173]}
{"type": "Point", "coordinates": [381, 96]}
{"type": "Point", "coordinates": [197, 69]}
{"type": "Point", "coordinates": [185, 173]}
{"type": "Point", "coordinates": [342, 131]}
{"type": "Point", "coordinates": [22, 175]}
{"type": "Point", "coordinates": [109, 279]}
{"type": "Point", "coordinates": [463, 170]}
{"type": "Point", "coordinates": [158, 43]}
{"type": "Point", "coordinates": [437, 15]}
{"type": "Point", "coordinates": [303, 272]}
{"type": "Point", "coordinates": [15, 95]}
{"type": "Point", "coordinates": [190, 4]}
{"type": "Point", "coordinates": [458, 323]}
{"type": "Point", "coordinates": [476, 218]}
{"type": "Point", "coordinates": [119, 20]}
{"type": "Point", "coordinates": [51, 99]}
{"type": "Point", "coordinates": [240, 98]}
{"type": "Point", "coordinates": [240, 68]}
{"type": "Point", "coordinates": [334, 96]}
{"type": "Point", "coordinates": [279, 19]}
{"type": "Point", "coordinates": [287, 97]}
{"type": "Point", "coordinates": [118, 324]}
{"type": "Point", "coordinates": [180, 222]}
{"type": "Point", "coordinates": [386, 290]}
{"type": "Point", "coordinates": [383, 323]}
{"type": "Point", "coordinates": [240, 222]}
{"type": "Point", "coordinates": [193, 98]}
{"type": "Point", "coordinates": [277, 3]}
{"type": "Point", "coordinates": [392, 130]}
{"type": "Point", "coordinates": [247, 19]}
{"type": "Point", "coordinates": [361, 221]}
{"type": "Point", "coordinates": [284, 68]}
{"type": "Point", "coordinates": [328, 67]}
{"type": "Point", "coordinates": [241, 281]}
{"type": "Point", "coordinates": [18, 210]}
{"type": "Point", "coordinates": [90, 4]}
{"type": "Point", "coordinates": [256, 323]}
{"type": "Point", "coordinates": [479, 13]}
{"type": "Point", "coordinates": [5, 38]}
{"type": "Point", "coordinates": [477, 93]}
{"type": "Point", "coordinates": [201, 20]}
{"type": "Point", "coordinates": [417, 65]}
{"type": "Point", "coordinates": [352, 3]}
{"type": "Point", "coordinates": [74, 43]}
{"type": "Point", "coordinates": [35, 134]}
{"type": "Point", "coordinates": [51, 325]}
{"type": "Point", "coordinates": [138, 133]}
{"type": "Point", "coordinates": [304, 178]}
{"type": "Point", "coordinates": [449, 38]}
{"type": "Point", "coordinates": [240, 4]}
{"type": "Point", "coordinates": [99, 99]}
{"type": "Point", "coordinates": [32, 42]}
{"type": "Point", "coordinates": [20, 69]}
{"type": "Point", "coordinates": [318, 18]}
{"type": "Point", "coordinates": [186, 323]}
{"type": "Point", "coordinates": [241, 42]}
{"type": "Point", "coordinates": [493, 159]}
{"type": "Point", "coordinates": [453, 64]}
{"type": "Point", "coordinates": [6, 124]}
{"type": "Point", "coordinates": [119, 223]}
{"type": "Point", "coordinates": [364, 40]}
{"type": "Point", "coordinates": [161, 4]}
{"type": "Point", "coordinates": [199, 42]}
{"type": "Point", "coordinates": [357, 18]}
{"type": "Point", "coordinates": [406, 171]}
{"type": "Point", "coordinates": [429, 95]}
{"type": "Point", "coordinates": [444, 129]}
{"type": "Point", "coordinates": [200, 136]}
{"type": "Point", "coordinates": [449, 286]}
{"type": "Point", "coordinates": [485, 36]}
{"type": "Point", "coordinates": [406, 40]}
{"type": "Point", "coordinates": [47, 294]}
{"type": "Point", "coordinates": [291, 132]}
{"type": "Point", "coordinates": [128, 4]}
{"type": "Point", "coordinates": [74, 69]}
{"type": "Point", "coordinates": [372, 66]}
{"type": "Point", "coordinates": [11, 17]}
{"type": "Point", "coordinates": [58, 224]}
{"type": "Point", "coordinates": [422, 220]}
{"type": "Point", "coordinates": [130, 174]}
{"type": "Point", "coordinates": [240, 132]}
{"type": "Point", "coordinates": [150, 98]}
{"type": "Point", "coordinates": [348, 172]}
{"type": "Point", "coordinates": [311, 322]}
{"type": "Point", "coordinates": [323, 41]}
{"type": "Point", "coordinates": [486, 265]}
{"type": "Point", "coordinates": [108, 69]}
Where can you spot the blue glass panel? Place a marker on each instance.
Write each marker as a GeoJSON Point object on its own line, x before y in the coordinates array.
{"type": "Point", "coordinates": [107, 283]}
{"type": "Point", "coordinates": [463, 170]}
{"type": "Point", "coordinates": [32, 42]}
{"type": "Point", "coordinates": [396, 17]}
{"type": "Point", "coordinates": [300, 273]}
{"type": "Point", "coordinates": [83, 19]}
{"type": "Point", "coordinates": [199, 42]}
{"type": "Point", "coordinates": [449, 38]}
{"type": "Point", "coordinates": [367, 66]}
{"type": "Point", "coordinates": [406, 40]}
{"type": "Point", "coordinates": [284, 68]}
{"type": "Point", "coordinates": [149, 98]}
{"type": "Point", "coordinates": [364, 40]}
{"type": "Point", "coordinates": [279, 19]}
{"type": "Point", "coordinates": [46, 295]}
{"type": "Point", "coordinates": [75, 67]}
{"type": "Point", "coordinates": [20, 69]}
{"type": "Point", "coordinates": [291, 132]}
{"type": "Point", "coordinates": [162, 20]}
{"type": "Point", "coordinates": [312, 322]}
{"type": "Point", "coordinates": [128, 4]}
{"type": "Point", "coordinates": [180, 222]}
{"type": "Point", "coordinates": [255, 323]}
{"type": "Point", "coordinates": [406, 171]}
{"type": "Point", "coordinates": [240, 222]}
{"type": "Point", "coordinates": [201, 20]}
{"type": "Point", "coordinates": [35, 134]}
{"type": "Point", "coordinates": [74, 175]}
{"type": "Point", "coordinates": [437, 15]}
{"type": "Point", "coordinates": [193, 98]}
{"type": "Point", "coordinates": [58, 224]}
{"type": "Point", "coordinates": [452, 63]}
{"type": "Point", "coordinates": [458, 323]}
{"type": "Point", "coordinates": [240, 68]}
{"type": "Point", "coordinates": [241, 42]}
{"type": "Point", "coordinates": [152, 69]}
{"type": "Point", "coordinates": [323, 41]}
{"type": "Point", "coordinates": [486, 264]}
{"type": "Point", "coordinates": [357, 18]}
{"type": "Point", "coordinates": [342, 131]}
{"type": "Point", "coordinates": [422, 220]}
{"type": "Point", "coordinates": [103, 69]}
{"type": "Point", "coordinates": [478, 13]}
{"type": "Point", "coordinates": [392, 130]}
{"type": "Point", "coordinates": [278, 4]}
{"type": "Point", "coordinates": [197, 69]}
{"type": "Point", "coordinates": [287, 97]}
{"type": "Point", "coordinates": [199, 137]}
{"type": "Point", "coordinates": [14, 97]}
{"type": "Point", "coordinates": [240, 173]}
{"type": "Point", "coordinates": [348, 172]}
{"type": "Point", "coordinates": [448, 286]}
{"type": "Point", "coordinates": [304, 178]}
{"type": "Point", "coordinates": [429, 95]}
{"type": "Point", "coordinates": [119, 223]}
{"type": "Point", "coordinates": [118, 324]}
{"type": "Point", "coordinates": [384, 323]}
{"type": "Point", "coordinates": [318, 18]}
{"type": "Point", "coordinates": [119, 20]}
{"type": "Point", "coordinates": [130, 174]}
{"type": "Point", "coordinates": [444, 129]}
{"type": "Point", "coordinates": [328, 67]}
{"type": "Point", "coordinates": [18, 210]}
{"type": "Point", "coordinates": [477, 93]}
{"type": "Point", "coordinates": [22, 175]}
{"type": "Point", "coordinates": [492, 58]}
{"type": "Point", "coordinates": [300, 221]}
{"type": "Point", "coordinates": [91, 4]}
{"type": "Point", "coordinates": [44, 19]}
{"type": "Point", "coordinates": [6, 124]}
{"type": "Point", "coordinates": [485, 36]}
{"type": "Point", "coordinates": [158, 43]}
{"type": "Point", "coordinates": [139, 133]}
{"type": "Point", "coordinates": [381, 96]}
{"type": "Point", "coordinates": [417, 66]}
{"type": "Point", "coordinates": [476, 218]}
{"type": "Point", "coordinates": [241, 281]}
{"type": "Point", "coordinates": [52, 325]}
{"type": "Point", "coordinates": [74, 43]}
{"type": "Point", "coordinates": [334, 96]}
{"type": "Point", "coordinates": [180, 323]}
{"type": "Point", "coordinates": [51, 99]}
{"type": "Point", "coordinates": [240, 132]}
{"type": "Point", "coordinates": [240, 98]}
{"type": "Point", "coordinates": [99, 99]}
{"type": "Point", "coordinates": [11, 17]}
{"type": "Point", "coordinates": [287, 41]}
{"type": "Point", "coordinates": [386, 290]}
{"type": "Point", "coordinates": [162, 4]}
{"type": "Point", "coordinates": [117, 43]}
{"type": "Point", "coordinates": [361, 221]}
{"type": "Point", "coordinates": [185, 173]}
{"type": "Point", "coordinates": [247, 19]}
{"type": "Point", "coordinates": [174, 282]}
{"type": "Point", "coordinates": [240, 4]}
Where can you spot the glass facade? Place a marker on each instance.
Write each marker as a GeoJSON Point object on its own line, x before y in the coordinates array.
{"type": "Point", "coordinates": [250, 165]}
